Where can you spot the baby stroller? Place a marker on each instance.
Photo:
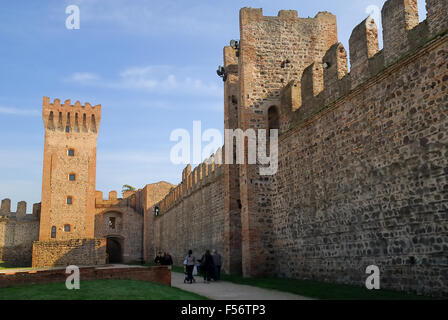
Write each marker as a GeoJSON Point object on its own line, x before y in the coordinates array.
{"type": "Point", "coordinates": [195, 272]}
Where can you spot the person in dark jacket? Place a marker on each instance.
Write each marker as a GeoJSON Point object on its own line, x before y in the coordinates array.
{"type": "Point", "coordinates": [207, 266]}
{"type": "Point", "coordinates": [167, 260]}
{"type": "Point", "coordinates": [217, 262]}
{"type": "Point", "coordinates": [158, 259]}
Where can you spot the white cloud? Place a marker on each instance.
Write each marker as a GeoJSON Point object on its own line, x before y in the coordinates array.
{"type": "Point", "coordinates": [166, 78]}
{"type": "Point", "coordinates": [84, 77]}
{"type": "Point", "coordinates": [160, 79]}
{"type": "Point", "coordinates": [18, 111]}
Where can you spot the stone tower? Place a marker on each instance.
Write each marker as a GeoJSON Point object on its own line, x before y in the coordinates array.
{"type": "Point", "coordinates": [69, 170]}
{"type": "Point", "coordinates": [232, 202]}
{"type": "Point", "coordinates": [273, 52]}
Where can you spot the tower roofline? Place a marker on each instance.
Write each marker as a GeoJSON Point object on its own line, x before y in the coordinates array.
{"type": "Point", "coordinates": [67, 104]}
{"type": "Point", "coordinates": [77, 117]}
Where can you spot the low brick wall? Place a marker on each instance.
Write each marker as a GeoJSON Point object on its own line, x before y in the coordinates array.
{"type": "Point", "coordinates": [161, 275]}
{"type": "Point", "coordinates": [80, 252]}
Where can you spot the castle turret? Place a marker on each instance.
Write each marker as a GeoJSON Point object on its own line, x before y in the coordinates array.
{"type": "Point", "coordinates": [273, 54]}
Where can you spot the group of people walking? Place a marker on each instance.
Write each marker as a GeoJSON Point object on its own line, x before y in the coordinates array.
{"type": "Point", "coordinates": [164, 259]}
{"type": "Point", "coordinates": [209, 266]}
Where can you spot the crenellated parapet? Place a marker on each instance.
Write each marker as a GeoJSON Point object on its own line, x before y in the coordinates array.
{"type": "Point", "coordinates": [111, 201]}
{"type": "Point", "coordinates": [129, 199]}
{"type": "Point", "coordinates": [201, 176]}
{"type": "Point", "coordinates": [437, 16]}
{"type": "Point", "coordinates": [20, 213]}
{"type": "Point", "coordinates": [328, 79]}
{"type": "Point", "coordinates": [274, 50]}
{"type": "Point", "coordinates": [68, 118]}
{"type": "Point", "coordinates": [363, 46]}
{"type": "Point", "coordinates": [399, 17]}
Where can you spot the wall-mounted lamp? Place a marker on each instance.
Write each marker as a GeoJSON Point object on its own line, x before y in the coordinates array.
{"type": "Point", "coordinates": [235, 44]}
{"type": "Point", "coordinates": [222, 73]}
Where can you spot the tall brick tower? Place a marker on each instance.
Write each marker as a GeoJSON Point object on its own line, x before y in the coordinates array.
{"type": "Point", "coordinates": [68, 185]}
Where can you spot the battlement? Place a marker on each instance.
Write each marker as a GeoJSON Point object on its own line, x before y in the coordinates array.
{"type": "Point", "coordinates": [248, 14]}
{"type": "Point", "coordinates": [20, 213]}
{"type": "Point", "coordinates": [275, 50]}
{"type": "Point", "coordinates": [327, 80]}
{"type": "Point", "coordinates": [70, 118]}
{"type": "Point", "coordinates": [111, 201]}
{"type": "Point", "coordinates": [128, 199]}
{"type": "Point", "coordinates": [202, 175]}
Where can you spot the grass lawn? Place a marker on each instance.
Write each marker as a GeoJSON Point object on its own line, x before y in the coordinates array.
{"type": "Point", "coordinates": [318, 290]}
{"type": "Point", "coordinates": [4, 266]}
{"type": "Point", "coordinates": [98, 290]}
{"type": "Point", "coordinates": [322, 290]}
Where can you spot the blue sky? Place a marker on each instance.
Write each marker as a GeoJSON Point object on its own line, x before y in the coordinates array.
{"type": "Point", "coordinates": [150, 64]}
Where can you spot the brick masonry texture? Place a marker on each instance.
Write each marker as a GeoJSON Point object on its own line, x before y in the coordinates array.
{"type": "Point", "coordinates": [194, 220]}
{"type": "Point", "coordinates": [69, 127]}
{"type": "Point", "coordinates": [161, 275]}
{"type": "Point", "coordinates": [366, 183]}
{"type": "Point", "coordinates": [128, 227]}
{"type": "Point", "coordinates": [131, 218]}
{"type": "Point", "coordinates": [80, 252]}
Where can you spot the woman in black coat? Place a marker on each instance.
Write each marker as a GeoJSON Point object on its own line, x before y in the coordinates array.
{"type": "Point", "coordinates": [207, 266]}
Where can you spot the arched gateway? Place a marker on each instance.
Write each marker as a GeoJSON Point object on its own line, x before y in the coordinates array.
{"type": "Point", "coordinates": [114, 249]}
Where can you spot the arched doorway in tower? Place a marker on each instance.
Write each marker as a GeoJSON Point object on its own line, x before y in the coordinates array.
{"type": "Point", "coordinates": [114, 249]}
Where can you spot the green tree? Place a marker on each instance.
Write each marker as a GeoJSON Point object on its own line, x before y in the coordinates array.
{"type": "Point", "coordinates": [127, 187]}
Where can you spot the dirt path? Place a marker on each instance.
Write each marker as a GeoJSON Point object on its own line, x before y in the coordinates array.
{"type": "Point", "coordinates": [230, 291]}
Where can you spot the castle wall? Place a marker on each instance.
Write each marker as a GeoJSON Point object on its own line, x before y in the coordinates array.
{"type": "Point", "coordinates": [363, 154]}
{"type": "Point", "coordinates": [18, 231]}
{"type": "Point", "coordinates": [366, 183]}
{"type": "Point", "coordinates": [79, 252]}
{"type": "Point", "coordinates": [363, 170]}
{"type": "Point", "coordinates": [151, 194]}
{"type": "Point", "coordinates": [191, 216]}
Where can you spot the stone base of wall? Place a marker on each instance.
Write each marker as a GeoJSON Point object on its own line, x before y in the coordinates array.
{"type": "Point", "coordinates": [79, 252]}
{"type": "Point", "coordinates": [16, 256]}
{"type": "Point", "coordinates": [161, 275]}
{"type": "Point", "coordinates": [419, 279]}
